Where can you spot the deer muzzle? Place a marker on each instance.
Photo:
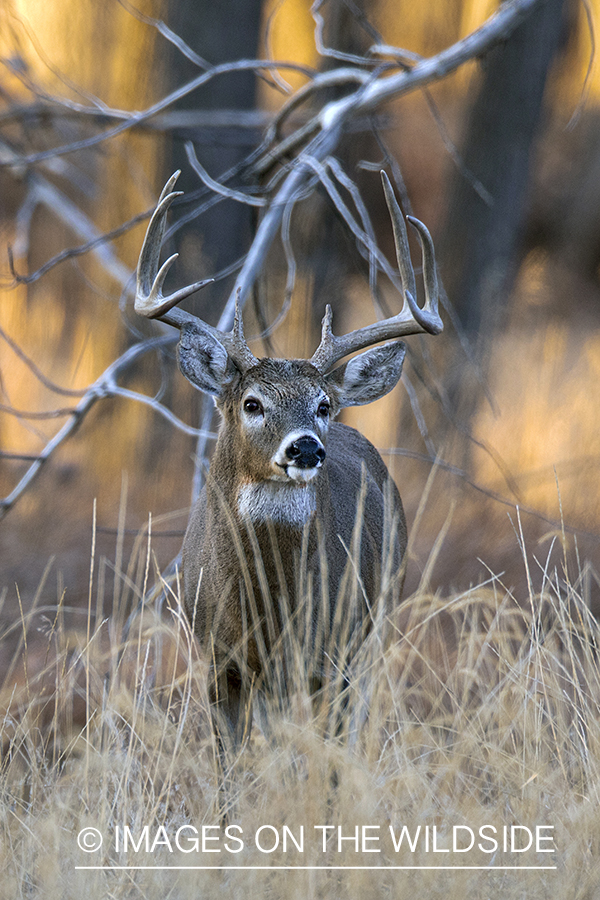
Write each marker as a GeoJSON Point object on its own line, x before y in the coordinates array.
{"type": "Point", "coordinates": [300, 455]}
{"type": "Point", "coordinates": [306, 452]}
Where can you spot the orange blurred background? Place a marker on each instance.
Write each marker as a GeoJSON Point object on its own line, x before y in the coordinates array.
{"type": "Point", "coordinates": [536, 436]}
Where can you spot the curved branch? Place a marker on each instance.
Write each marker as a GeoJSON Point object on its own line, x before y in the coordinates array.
{"type": "Point", "coordinates": [163, 411]}
{"type": "Point", "coordinates": [105, 386]}
{"type": "Point", "coordinates": [137, 118]}
{"type": "Point", "coordinates": [334, 117]}
{"type": "Point", "coordinates": [56, 388]}
{"type": "Point", "coordinates": [331, 121]}
{"type": "Point", "coordinates": [81, 250]}
{"type": "Point", "coordinates": [217, 186]}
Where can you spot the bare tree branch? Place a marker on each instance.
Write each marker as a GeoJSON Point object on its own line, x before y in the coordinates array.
{"type": "Point", "coordinates": [331, 120]}
{"type": "Point", "coordinates": [57, 389]}
{"type": "Point", "coordinates": [74, 252]}
{"type": "Point", "coordinates": [105, 386]}
{"type": "Point", "coordinates": [304, 157]}
{"type": "Point", "coordinates": [328, 51]}
{"type": "Point", "coordinates": [323, 133]}
{"type": "Point", "coordinates": [216, 186]}
{"type": "Point", "coordinates": [37, 414]}
{"type": "Point", "coordinates": [56, 201]}
{"type": "Point", "coordinates": [168, 34]}
{"type": "Point", "coordinates": [134, 119]}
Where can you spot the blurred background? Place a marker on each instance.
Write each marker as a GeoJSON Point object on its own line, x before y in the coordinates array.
{"type": "Point", "coordinates": [501, 160]}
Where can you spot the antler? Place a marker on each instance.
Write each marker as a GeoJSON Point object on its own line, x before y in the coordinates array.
{"type": "Point", "coordinates": [151, 302]}
{"type": "Point", "coordinates": [411, 319]}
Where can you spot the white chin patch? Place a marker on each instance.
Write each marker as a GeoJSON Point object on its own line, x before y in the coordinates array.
{"type": "Point", "coordinates": [301, 476]}
{"type": "Point", "coordinates": [279, 502]}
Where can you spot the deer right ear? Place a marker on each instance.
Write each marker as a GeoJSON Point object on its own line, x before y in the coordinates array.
{"type": "Point", "coordinates": [203, 360]}
{"type": "Point", "coordinates": [369, 375]}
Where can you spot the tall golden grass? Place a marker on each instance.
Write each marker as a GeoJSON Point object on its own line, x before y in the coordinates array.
{"type": "Point", "coordinates": [483, 711]}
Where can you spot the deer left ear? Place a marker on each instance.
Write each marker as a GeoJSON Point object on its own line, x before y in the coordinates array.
{"type": "Point", "coordinates": [369, 376]}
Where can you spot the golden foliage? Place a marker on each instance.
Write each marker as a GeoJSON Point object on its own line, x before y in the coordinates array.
{"type": "Point", "coordinates": [480, 712]}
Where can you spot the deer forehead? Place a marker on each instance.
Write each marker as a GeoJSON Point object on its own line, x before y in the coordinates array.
{"type": "Point", "coordinates": [286, 387]}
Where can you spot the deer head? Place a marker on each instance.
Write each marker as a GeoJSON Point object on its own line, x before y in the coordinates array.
{"type": "Point", "coordinates": [279, 410]}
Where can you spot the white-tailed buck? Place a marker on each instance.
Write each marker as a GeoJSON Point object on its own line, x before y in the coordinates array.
{"type": "Point", "coordinates": [299, 533]}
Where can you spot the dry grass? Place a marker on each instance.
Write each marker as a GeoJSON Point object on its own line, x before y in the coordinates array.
{"type": "Point", "coordinates": [483, 711]}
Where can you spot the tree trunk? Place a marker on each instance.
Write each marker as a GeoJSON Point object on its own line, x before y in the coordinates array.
{"type": "Point", "coordinates": [483, 236]}
{"type": "Point", "coordinates": [218, 32]}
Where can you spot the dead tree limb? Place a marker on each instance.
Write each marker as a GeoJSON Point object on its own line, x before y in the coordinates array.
{"type": "Point", "coordinates": [105, 386]}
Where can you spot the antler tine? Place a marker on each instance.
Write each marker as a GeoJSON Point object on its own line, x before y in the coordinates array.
{"type": "Point", "coordinates": [411, 319]}
{"type": "Point", "coordinates": [238, 348]}
{"type": "Point", "coordinates": [428, 316]}
{"type": "Point", "coordinates": [150, 300]}
{"type": "Point", "coordinates": [326, 353]}
{"type": "Point", "coordinates": [407, 274]}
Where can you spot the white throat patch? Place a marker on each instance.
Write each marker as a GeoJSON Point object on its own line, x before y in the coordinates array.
{"type": "Point", "coordinates": [281, 503]}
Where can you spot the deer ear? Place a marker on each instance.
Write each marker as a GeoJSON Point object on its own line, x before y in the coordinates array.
{"type": "Point", "coordinates": [203, 360]}
{"type": "Point", "coordinates": [369, 376]}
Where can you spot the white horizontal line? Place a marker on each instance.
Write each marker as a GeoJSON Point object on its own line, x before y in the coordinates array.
{"type": "Point", "coordinates": [325, 868]}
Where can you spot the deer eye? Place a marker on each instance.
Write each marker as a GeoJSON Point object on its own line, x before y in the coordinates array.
{"type": "Point", "coordinates": [323, 409]}
{"type": "Point", "coordinates": [252, 405]}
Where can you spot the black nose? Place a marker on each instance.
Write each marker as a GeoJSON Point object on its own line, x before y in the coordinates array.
{"type": "Point", "coordinates": [306, 452]}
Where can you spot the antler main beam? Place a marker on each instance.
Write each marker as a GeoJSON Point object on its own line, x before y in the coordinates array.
{"type": "Point", "coordinates": [152, 303]}
{"type": "Point", "coordinates": [411, 319]}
